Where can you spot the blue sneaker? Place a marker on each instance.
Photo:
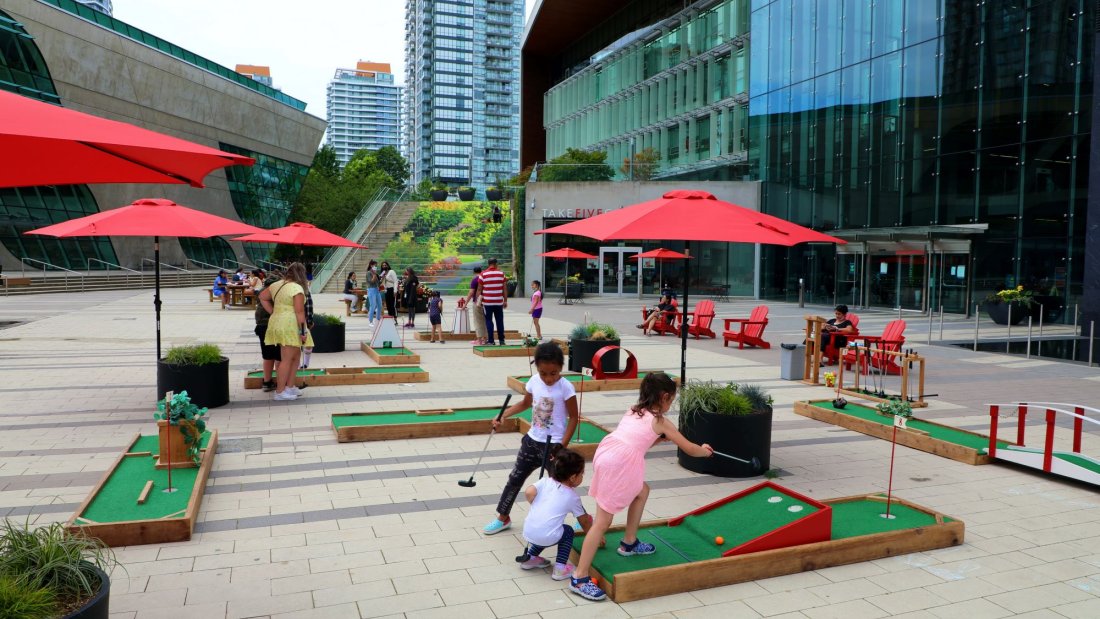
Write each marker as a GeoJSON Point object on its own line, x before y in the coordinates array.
{"type": "Point", "coordinates": [637, 548]}
{"type": "Point", "coordinates": [587, 589]}
{"type": "Point", "coordinates": [496, 526]}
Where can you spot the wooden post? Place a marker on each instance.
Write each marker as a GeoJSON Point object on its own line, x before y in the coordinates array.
{"type": "Point", "coordinates": [811, 367]}
{"type": "Point", "coordinates": [920, 381]}
{"type": "Point", "coordinates": [994, 414]}
{"type": "Point", "coordinates": [1021, 413]}
{"type": "Point", "coordinates": [144, 496]}
{"type": "Point", "coordinates": [1078, 423]}
{"type": "Point", "coordinates": [1048, 448]}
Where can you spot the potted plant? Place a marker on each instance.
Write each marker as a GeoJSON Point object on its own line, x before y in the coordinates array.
{"type": "Point", "coordinates": [200, 370]}
{"type": "Point", "coordinates": [586, 340]}
{"type": "Point", "coordinates": [328, 333]}
{"type": "Point", "coordinates": [181, 413]}
{"type": "Point", "coordinates": [439, 192]}
{"type": "Point", "coordinates": [49, 572]}
{"type": "Point", "coordinates": [573, 286]}
{"type": "Point", "coordinates": [466, 193]}
{"type": "Point", "coordinates": [493, 193]}
{"type": "Point", "coordinates": [1019, 300]}
{"type": "Point", "coordinates": [895, 408]}
{"type": "Point", "coordinates": [512, 284]}
{"type": "Point", "coordinates": [733, 419]}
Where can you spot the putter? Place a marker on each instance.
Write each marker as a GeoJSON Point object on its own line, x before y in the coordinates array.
{"type": "Point", "coordinates": [470, 483]}
{"type": "Point", "coordinates": [545, 454]}
{"type": "Point", "coordinates": [755, 462]}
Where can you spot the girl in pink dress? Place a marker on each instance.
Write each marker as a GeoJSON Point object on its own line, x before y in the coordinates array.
{"type": "Point", "coordinates": [618, 478]}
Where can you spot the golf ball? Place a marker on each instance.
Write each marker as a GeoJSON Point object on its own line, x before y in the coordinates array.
{"type": "Point", "coordinates": [794, 508]}
{"type": "Point", "coordinates": [775, 499]}
{"type": "Point", "coordinates": [719, 540]}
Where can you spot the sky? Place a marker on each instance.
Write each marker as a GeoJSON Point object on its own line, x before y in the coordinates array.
{"type": "Point", "coordinates": [303, 42]}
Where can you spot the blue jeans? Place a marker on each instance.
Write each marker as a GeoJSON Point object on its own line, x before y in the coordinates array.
{"type": "Point", "coordinates": [374, 298]}
{"type": "Point", "coordinates": [497, 312]}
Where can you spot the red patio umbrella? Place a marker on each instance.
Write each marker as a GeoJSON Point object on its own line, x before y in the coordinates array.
{"type": "Point", "coordinates": [149, 217]}
{"type": "Point", "coordinates": [47, 144]}
{"type": "Point", "coordinates": [688, 215]}
{"type": "Point", "coordinates": [661, 255]}
{"type": "Point", "coordinates": [299, 234]}
{"type": "Point", "coordinates": [567, 253]}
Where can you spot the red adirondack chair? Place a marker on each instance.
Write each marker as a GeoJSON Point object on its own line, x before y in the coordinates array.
{"type": "Point", "coordinates": [892, 338]}
{"type": "Point", "coordinates": [701, 319]}
{"type": "Point", "coordinates": [667, 322]}
{"type": "Point", "coordinates": [751, 331]}
{"type": "Point", "coordinates": [830, 353]}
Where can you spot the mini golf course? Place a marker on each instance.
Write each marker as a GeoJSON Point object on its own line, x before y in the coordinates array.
{"type": "Point", "coordinates": [934, 438]}
{"type": "Point", "coordinates": [120, 512]}
{"type": "Point", "coordinates": [512, 350]}
{"type": "Point", "coordinates": [390, 356]}
{"type": "Point", "coordinates": [384, 426]}
{"type": "Point", "coordinates": [328, 377]}
{"type": "Point", "coordinates": [424, 336]}
{"type": "Point", "coordinates": [519, 383]}
{"type": "Point", "coordinates": [768, 531]}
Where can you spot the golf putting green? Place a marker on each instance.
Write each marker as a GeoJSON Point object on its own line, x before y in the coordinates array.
{"type": "Point", "coordinates": [936, 431]}
{"type": "Point", "coordinates": [855, 518]}
{"type": "Point", "coordinates": [391, 352]}
{"type": "Point", "coordinates": [152, 444]}
{"type": "Point", "coordinates": [576, 378]}
{"type": "Point", "coordinates": [505, 347]}
{"type": "Point", "coordinates": [324, 372]}
{"type": "Point", "coordinates": [382, 419]}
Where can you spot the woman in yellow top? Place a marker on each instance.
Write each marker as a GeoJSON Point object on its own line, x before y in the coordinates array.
{"type": "Point", "coordinates": [286, 301]}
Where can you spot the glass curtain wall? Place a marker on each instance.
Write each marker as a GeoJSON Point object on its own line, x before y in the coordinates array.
{"type": "Point", "coordinates": [905, 113]}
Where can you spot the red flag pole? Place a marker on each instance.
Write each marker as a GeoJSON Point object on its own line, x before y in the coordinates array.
{"type": "Point", "coordinates": [890, 483]}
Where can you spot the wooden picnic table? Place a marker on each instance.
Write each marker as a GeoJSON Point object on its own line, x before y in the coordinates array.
{"type": "Point", "coordinates": [238, 295]}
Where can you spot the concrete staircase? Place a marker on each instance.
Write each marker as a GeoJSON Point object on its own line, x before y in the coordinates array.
{"type": "Point", "coordinates": [19, 284]}
{"type": "Point", "coordinates": [391, 220]}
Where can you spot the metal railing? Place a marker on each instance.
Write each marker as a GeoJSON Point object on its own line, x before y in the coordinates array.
{"type": "Point", "coordinates": [239, 264]}
{"type": "Point", "coordinates": [88, 268]}
{"type": "Point", "coordinates": [267, 265]}
{"type": "Point", "coordinates": [361, 227]}
{"type": "Point", "coordinates": [178, 270]}
{"type": "Point", "coordinates": [47, 266]}
{"type": "Point", "coordinates": [206, 265]}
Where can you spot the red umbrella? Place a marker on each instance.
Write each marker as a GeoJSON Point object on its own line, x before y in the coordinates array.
{"type": "Point", "coordinates": [51, 145]}
{"type": "Point", "coordinates": [299, 234]}
{"type": "Point", "coordinates": [687, 215]}
{"type": "Point", "coordinates": [150, 217]}
{"type": "Point", "coordinates": [567, 253]}
{"type": "Point", "coordinates": [661, 255]}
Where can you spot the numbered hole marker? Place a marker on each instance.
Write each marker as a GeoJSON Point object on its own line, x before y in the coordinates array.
{"type": "Point", "coordinates": [586, 371]}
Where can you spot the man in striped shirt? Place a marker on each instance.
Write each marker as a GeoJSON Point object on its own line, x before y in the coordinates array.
{"type": "Point", "coordinates": [491, 291]}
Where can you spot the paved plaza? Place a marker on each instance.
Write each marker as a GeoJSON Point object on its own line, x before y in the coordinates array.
{"type": "Point", "coordinates": [295, 524]}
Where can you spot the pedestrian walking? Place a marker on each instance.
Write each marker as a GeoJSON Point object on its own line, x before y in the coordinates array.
{"type": "Point", "coordinates": [492, 292]}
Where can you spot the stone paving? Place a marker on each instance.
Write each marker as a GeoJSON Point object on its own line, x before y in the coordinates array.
{"type": "Point", "coordinates": [295, 524]}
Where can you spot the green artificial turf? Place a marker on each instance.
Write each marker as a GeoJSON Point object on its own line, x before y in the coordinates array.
{"type": "Point", "coordinates": [306, 372]}
{"type": "Point", "coordinates": [950, 435]}
{"type": "Point", "coordinates": [865, 518]}
{"type": "Point", "coordinates": [505, 347]}
{"type": "Point", "coordinates": [576, 378]}
{"type": "Point", "coordinates": [738, 522]}
{"type": "Point", "coordinates": [587, 433]}
{"type": "Point", "coordinates": [1076, 459]}
{"type": "Point", "coordinates": [391, 352]}
{"type": "Point", "coordinates": [152, 443]}
{"type": "Point", "coordinates": [116, 501]}
{"type": "Point", "coordinates": [392, 370]}
{"type": "Point", "coordinates": [383, 419]}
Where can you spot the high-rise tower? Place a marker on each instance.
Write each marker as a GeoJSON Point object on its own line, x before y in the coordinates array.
{"type": "Point", "coordinates": [363, 109]}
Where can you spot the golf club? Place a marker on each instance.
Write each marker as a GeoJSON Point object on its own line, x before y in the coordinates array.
{"type": "Point", "coordinates": [470, 483]}
{"type": "Point", "coordinates": [755, 462]}
{"type": "Point", "coordinates": [545, 454]}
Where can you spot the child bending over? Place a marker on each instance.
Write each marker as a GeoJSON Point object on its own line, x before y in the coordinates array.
{"type": "Point", "coordinates": [551, 499]}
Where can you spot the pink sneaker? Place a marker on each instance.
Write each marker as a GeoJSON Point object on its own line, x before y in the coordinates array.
{"type": "Point", "coordinates": [535, 563]}
{"type": "Point", "coordinates": [562, 572]}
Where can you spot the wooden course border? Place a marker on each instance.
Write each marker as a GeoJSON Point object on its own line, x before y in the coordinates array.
{"type": "Point", "coordinates": [592, 384]}
{"type": "Point", "coordinates": [912, 438]}
{"type": "Point", "coordinates": [155, 531]}
{"type": "Point", "coordinates": [412, 358]}
{"type": "Point", "coordinates": [424, 336]}
{"type": "Point", "coordinates": [522, 351]}
{"type": "Point", "coordinates": [349, 376]}
{"type": "Point", "coordinates": [643, 584]}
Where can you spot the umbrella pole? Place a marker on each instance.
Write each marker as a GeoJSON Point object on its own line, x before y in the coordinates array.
{"type": "Point", "coordinates": [565, 286]}
{"type": "Point", "coordinates": [683, 320]}
{"type": "Point", "coordinates": [156, 292]}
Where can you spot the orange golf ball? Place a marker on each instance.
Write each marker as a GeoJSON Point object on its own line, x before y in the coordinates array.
{"type": "Point", "coordinates": [719, 540]}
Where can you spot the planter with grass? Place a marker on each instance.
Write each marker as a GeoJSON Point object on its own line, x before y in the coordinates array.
{"type": "Point", "coordinates": [586, 340]}
{"type": "Point", "coordinates": [493, 194]}
{"type": "Point", "coordinates": [466, 194]}
{"type": "Point", "coordinates": [200, 370]}
{"type": "Point", "coordinates": [328, 333]}
{"type": "Point", "coordinates": [45, 572]}
{"type": "Point", "coordinates": [439, 193]}
{"type": "Point", "coordinates": [733, 419]}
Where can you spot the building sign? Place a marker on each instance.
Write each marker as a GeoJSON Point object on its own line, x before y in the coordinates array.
{"type": "Point", "coordinates": [571, 213]}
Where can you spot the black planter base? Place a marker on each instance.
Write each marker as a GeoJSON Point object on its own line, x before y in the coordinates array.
{"type": "Point", "coordinates": [328, 338]}
{"type": "Point", "coordinates": [998, 312]}
{"type": "Point", "coordinates": [747, 437]}
{"type": "Point", "coordinates": [207, 385]}
{"type": "Point", "coordinates": [582, 351]}
{"type": "Point", "coordinates": [99, 606]}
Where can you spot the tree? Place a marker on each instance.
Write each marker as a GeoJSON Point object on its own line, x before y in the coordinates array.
{"type": "Point", "coordinates": [644, 168]}
{"type": "Point", "coordinates": [577, 165]}
{"type": "Point", "coordinates": [325, 163]}
{"type": "Point", "coordinates": [423, 191]}
{"type": "Point", "coordinates": [392, 163]}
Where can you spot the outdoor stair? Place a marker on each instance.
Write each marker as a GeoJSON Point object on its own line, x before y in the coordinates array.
{"type": "Point", "coordinates": [53, 283]}
{"type": "Point", "coordinates": [394, 217]}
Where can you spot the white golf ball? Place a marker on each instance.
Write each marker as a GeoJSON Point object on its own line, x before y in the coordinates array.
{"type": "Point", "coordinates": [794, 508]}
{"type": "Point", "coordinates": [775, 499]}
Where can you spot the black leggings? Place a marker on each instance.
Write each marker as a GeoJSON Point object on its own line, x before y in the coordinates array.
{"type": "Point", "coordinates": [565, 545]}
{"type": "Point", "coordinates": [528, 460]}
{"type": "Point", "coordinates": [391, 303]}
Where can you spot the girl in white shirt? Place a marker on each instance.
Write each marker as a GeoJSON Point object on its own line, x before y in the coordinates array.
{"type": "Point", "coordinates": [551, 499]}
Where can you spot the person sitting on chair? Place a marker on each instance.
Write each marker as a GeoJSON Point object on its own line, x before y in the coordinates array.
{"type": "Point", "coordinates": [666, 304]}
{"type": "Point", "coordinates": [834, 333]}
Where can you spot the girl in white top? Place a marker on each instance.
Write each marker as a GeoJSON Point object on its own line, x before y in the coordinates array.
{"type": "Point", "coordinates": [551, 499]}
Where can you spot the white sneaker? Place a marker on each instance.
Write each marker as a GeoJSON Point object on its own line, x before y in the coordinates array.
{"type": "Point", "coordinates": [535, 563]}
{"type": "Point", "coordinates": [294, 391]}
{"type": "Point", "coordinates": [285, 396]}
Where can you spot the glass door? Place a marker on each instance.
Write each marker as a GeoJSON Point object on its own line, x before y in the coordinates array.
{"type": "Point", "coordinates": [849, 280]}
{"type": "Point", "coordinates": [618, 273]}
{"type": "Point", "coordinates": [950, 282]}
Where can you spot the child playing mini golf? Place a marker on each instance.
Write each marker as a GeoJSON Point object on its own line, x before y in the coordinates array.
{"type": "Point", "coordinates": [435, 316]}
{"type": "Point", "coordinates": [618, 474]}
{"type": "Point", "coordinates": [536, 307]}
{"type": "Point", "coordinates": [554, 417]}
{"type": "Point", "coordinates": [551, 499]}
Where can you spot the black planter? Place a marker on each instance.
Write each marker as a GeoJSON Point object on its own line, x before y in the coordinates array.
{"type": "Point", "coordinates": [582, 351]}
{"type": "Point", "coordinates": [328, 338]}
{"type": "Point", "coordinates": [494, 195]}
{"type": "Point", "coordinates": [99, 606]}
{"type": "Point", "coordinates": [439, 195]}
{"type": "Point", "coordinates": [512, 288]}
{"type": "Point", "coordinates": [574, 291]}
{"type": "Point", "coordinates": [999, 312]}
{"type": "Point", "coordinates": [744, 436]}
{"type": "Point", "coordinates": [466, 194]}
{"type": "Point", "coordinates": [207, 385]}
{"type": "Point", "coordinates": [1051, 307]}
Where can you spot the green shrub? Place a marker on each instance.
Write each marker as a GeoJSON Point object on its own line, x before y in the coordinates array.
{"type": "Point", "coordinates": [757, 395]}
{"type": "Point", "coordinates": [198, 354]}
{"type": "Point", "coordinates": [711, 397]}
{"type": "Point", "coordinates": [602, 331]}
{"type": "Point", "coordinates": [329, 320]}
{"type": "Point", "coordinates": [579, 332]}
{"type": "Point", "coordinates": [48, 557]}
{"type": "Point", "coordinates": [18, 600]}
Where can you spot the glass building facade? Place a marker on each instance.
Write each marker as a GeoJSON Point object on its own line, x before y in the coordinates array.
{"type": "Point", "coordinates": [363, 109]}
{"type": "Point", "coordinates": [264, 193]}
{"type": "Point", "coordinates": [946, 140]}
{"type": "Point", "coordinates": [462, 96]}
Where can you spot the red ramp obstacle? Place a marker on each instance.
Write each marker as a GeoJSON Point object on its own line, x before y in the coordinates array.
{"type": "Point", "coordinates": [1073, 464]}
{"type": "Point", "coordinates": [598, 373]}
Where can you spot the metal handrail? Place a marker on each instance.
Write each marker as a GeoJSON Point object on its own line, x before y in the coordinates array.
{"type": "Point", "coordinates": [46, 265]}
{"type": "Point", "coordinates": [267, 264]}
{"type": "Point", "coordinates": [204, 264]}
{"type": "Point", "coordinates": [358, 229]}
{"type": "Point", "coordinates": [163, 264]}
{"type": "Point", "coordinates": [89, 262]}
{"type": "Point", "coordinates": [239, 264]}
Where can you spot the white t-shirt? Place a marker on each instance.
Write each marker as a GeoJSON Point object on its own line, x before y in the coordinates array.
{"type": "Point", "coordinates": [543, 525]}
{"type": "Point", "coordinates": [548, 408]}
